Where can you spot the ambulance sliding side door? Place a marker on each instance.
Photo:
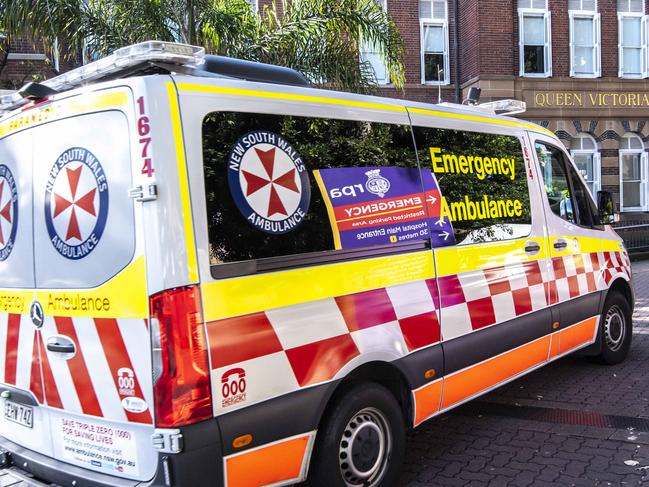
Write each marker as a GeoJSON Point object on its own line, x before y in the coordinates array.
{"type": "Point", "coordinates": [575, 245]}
{"type": "Point", "coordinates": [490, 256]}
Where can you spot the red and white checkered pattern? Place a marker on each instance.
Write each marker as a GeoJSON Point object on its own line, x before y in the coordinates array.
{"type": "Point", "coordinates": [477, 299]}
{"type": "Point", "coordinates": [87, 383]}
{"type": "Point", "coordinates": [282, 350]}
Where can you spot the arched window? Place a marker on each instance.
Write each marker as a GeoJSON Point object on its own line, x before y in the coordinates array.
{"type": "Point", "coordinates": [583, 149]}
{"type": "Point", "coordinates": [633, 174]}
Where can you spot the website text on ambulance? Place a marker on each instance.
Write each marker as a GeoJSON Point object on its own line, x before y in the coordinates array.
{"type": "Point", "coordinates": [482, 168]}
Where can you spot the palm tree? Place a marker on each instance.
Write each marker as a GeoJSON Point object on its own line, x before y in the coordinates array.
{"type": "Point", "coordinates": [321, 38]}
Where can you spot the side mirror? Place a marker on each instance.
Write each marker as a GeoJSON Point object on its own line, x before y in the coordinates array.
{"type": "Point", "coordinates": [607, 214]}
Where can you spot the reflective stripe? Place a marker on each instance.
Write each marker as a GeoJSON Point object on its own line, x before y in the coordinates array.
{"type": "Point", "coordinates": [11, 355]}
{"type": "Point", "coordinates": [4, 317]}
{"type": "Point", "coordinates": [479, 378]}
{"type": "Point", "coordinates": [52, 397]}
{"type": "Point", "coordinates": [35, 379]}
{"type": "Point", "coordinates": [576, 335]}
{"type": "Point", "coordinates": [126, 295]}
{"type": "Point", "coordinates": [135, 335]}
{"type": "Point", "coordinates": [469, 382]}
{"type": "Point", "coordinates": [276, 463]}
{"type": "Point", "coordinates": [115, 351]}
{"type": "Point", "coordinates": [102, 377]}
{"type": "Point", "coordinates": [85, 103]}
{"type": "Point", "coordinates": [61, 373]}
{"type": "Point", "coordinates": [481, 119]}
{"type": "Point", "coordinates": [79, 370]}
{"type": "Point", "coordinates": [278, 95]}
{"type": "Point", "coordinates": [459, 259]}
{"type": "Point", "coordinates": [183, 182]}
{"type": "Point", "coordinates": [222, 90]}
{"type": "Point", "coordinates": [427, 401]}
{"type": "Point", "coordinates": [233, 297]}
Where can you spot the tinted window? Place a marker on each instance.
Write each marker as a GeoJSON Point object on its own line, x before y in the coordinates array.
{"type": "Point", "coordinates": [555, 182]}
{"type": "Point", "coordinates": [296, 187]}
{"type": "Point", "coordinates": [586, 208]}
{"type": "Point", "coordinates": [483, 185]}
{"type": "Point", "coordinates": [572, 202]}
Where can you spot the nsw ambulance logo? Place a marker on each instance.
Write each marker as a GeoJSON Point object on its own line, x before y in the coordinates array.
{"type": "Point", "coordinates": [76, 203]}
{"type": "Point", "coordinates": [269, 182]}
{"type": "Point", "coordinates": [8, 212]}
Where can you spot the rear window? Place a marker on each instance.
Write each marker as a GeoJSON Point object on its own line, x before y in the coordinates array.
{"type": "Point", "coordinates": [284, 191]}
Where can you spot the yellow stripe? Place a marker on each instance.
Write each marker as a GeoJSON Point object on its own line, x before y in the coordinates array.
{"type": "Point", "coordinates": [454, 260]}
{"type": "Point", "coordinates": [330, 210]}
{"type": "Point", "coordinates": [239, 296]}
{"type": "Point", "coordinates": [124, 296]}
{"type": "Point", "coordinates": [184, 184]}
{"type": "Point", "coordinates": [355, 103]}
{"type": "Point", "coordinates": [86, 103]}
{"type": "Point", "coordinates": [586, 245]}
{"type": "Point", "coordinates": [482, 119]}
{"type": "Point", "coordinates": [289, 96]}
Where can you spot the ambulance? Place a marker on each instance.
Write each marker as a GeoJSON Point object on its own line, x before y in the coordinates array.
{"type": "Point", "coordinates": [212, 274]}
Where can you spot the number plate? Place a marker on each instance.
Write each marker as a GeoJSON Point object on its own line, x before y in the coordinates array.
{"type": "Point", "coordinates": [19, 413]}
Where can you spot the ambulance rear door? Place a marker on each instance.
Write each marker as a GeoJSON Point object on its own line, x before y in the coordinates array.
{"type": "Point", "coordinates": [91, 284]}
{"type": "Point", "coordinates": [23, 419]}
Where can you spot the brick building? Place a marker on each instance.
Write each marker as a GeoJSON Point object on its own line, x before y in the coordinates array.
{"type": "Point", "coordinates": [25, 61]}
{"type": "Point", "coordinates": [582, 67]}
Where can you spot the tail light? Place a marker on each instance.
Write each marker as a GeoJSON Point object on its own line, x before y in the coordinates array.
{"type": "Point", "coordinates": [181, 373]}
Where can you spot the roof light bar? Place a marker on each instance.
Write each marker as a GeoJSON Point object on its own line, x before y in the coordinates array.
{"type": "Point", "coordinates": [498, 107]}
{"type": "Point", "coordinates": [120, 61]}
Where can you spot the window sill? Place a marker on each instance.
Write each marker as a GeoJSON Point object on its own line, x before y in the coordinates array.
{"type": "Point", "coordinates": [533, 75]}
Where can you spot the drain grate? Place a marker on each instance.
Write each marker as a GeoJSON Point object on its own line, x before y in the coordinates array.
{"type": "Point", "coordinates": [553, 415]}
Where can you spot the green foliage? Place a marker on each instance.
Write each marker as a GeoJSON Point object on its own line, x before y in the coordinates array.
{"type": "Point", "coordinates": [320, 38]}
{"type": "Point", "coordinates": [322, 143]}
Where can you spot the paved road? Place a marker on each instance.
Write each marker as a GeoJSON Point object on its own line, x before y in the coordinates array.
{"type": "Point", "coordinates": [574, 422]}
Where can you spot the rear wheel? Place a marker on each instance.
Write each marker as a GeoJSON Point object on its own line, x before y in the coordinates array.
{"type": "Point", "coordinates": [616, 329]}
{"type": "Point", "coordinates": [361, 441]}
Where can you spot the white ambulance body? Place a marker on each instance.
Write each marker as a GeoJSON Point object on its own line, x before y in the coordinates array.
{"type": "Point", "coordinates": [212, 281]}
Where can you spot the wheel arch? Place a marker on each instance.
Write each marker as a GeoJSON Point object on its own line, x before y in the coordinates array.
{"type": "Point", "coordinates": [383, 373]}
{"type": "Point", "coordinates": [622, 286]}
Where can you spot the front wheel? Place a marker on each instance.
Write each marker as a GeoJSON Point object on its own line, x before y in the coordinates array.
{"type": "Point", "coordinates": [361, 441]}
{"type": "Point", "coordinates": [616, 329]}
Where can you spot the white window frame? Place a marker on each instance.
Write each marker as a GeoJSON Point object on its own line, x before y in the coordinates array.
{"type": "Point", "coordinates": [363, 51]}
{"type": "Point", "coordinates": [255, 5]}
{"type": "Point", "coordinates": [423, 22]}
{"type": "Point", "coordinates": [547, 50]}
{"type": "Point", "coordinates": [643, 179]}
{"type": "Point", "coordinates": [644, 39]}
{"type": "Point", "coordinates": [597, 164]}
{"type": "Point", "coordinates": [597, 48]}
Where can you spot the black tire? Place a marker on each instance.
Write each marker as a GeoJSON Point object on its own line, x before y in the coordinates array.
{"type": "Point", "coordinates": [362, 414]}
{"type": "Point", "coordinates": [616, 329]}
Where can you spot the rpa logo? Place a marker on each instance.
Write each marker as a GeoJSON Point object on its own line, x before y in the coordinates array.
{"type": "Point", "coordinates": [233, 387]}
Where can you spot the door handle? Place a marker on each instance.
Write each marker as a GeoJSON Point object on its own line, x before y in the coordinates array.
{"type": "Point", "coordinates": [61, 344]}
{"type": "Point", "coordinates": [560, 244]}
{"type": "Point", "coordinates": [532, 248]}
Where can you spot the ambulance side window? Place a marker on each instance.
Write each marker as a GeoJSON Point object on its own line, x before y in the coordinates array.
{"type": "Point", "coordinates": [288, 191]}
{"type": "Point", "coordinates": [484, 194]}
{"type": "Point", "coordinates": [586, 207]}
{"type": "Point", "coordinates": [555, 180]}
